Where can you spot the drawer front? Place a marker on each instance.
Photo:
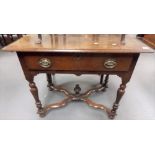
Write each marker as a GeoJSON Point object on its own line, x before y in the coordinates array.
{"type": "Point", "coordinates": [79, 63]}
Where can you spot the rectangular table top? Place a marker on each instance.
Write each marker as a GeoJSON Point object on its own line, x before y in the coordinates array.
{"type": "Point", "coordinates": [89, 43]}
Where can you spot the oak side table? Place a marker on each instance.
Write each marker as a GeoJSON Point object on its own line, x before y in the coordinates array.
{"type": "Point", "coordinates": [78, 54]}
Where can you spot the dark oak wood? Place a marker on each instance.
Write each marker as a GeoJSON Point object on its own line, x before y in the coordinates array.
{"type": "Point", "coordinates": [79, 62]}
{"type": "Point", "coordinates": [104, 55]}
{"type": "Point", "coordinates": [149, 39]}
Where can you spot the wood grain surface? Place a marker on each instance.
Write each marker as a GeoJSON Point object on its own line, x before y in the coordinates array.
{"type": "Point", "coordinates": [98, 43]}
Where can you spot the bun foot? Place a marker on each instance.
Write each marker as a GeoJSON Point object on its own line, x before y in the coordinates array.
{"type": "Point", "coordinates": [41, 113]}
{"type": "Point", "coordinates": [111, 115]}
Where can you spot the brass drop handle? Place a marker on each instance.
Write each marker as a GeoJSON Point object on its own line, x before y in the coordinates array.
{"type": "Point", "coordinates": [110, 63]}
{"type": "Point", "coordinates": [45, 62]}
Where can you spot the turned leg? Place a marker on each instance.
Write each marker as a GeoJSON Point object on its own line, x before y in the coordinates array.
{"type": "Point", "coordinates": [49, 80]}
{"type": "Point", "coordinates": [106, 81]}
{"type": "Point", "coordinates": [101, 79]}
{"type": "Point", "coordinates": [34, 91]}
{"type": "Point", "coordinates": [120, 93]}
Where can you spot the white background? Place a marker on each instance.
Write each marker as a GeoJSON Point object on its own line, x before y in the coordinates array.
{"type": "Point", "coordinates": [77, 137]}
{"type": "Point", "coordinates": [77, 16]}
